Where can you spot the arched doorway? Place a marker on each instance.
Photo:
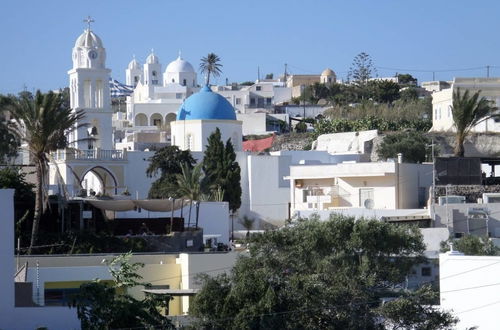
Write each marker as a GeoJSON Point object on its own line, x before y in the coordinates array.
{"type": "Point", "coordinates": [99, 181]}
{"type": "Point", "coordinates": [141, 120]}
{"type": "Point", "coordinates": [156, 120]}
{"type": "Point", "coordinates": [168, 119]}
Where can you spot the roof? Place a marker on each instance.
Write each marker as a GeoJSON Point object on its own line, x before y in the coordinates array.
{"type": "Point", "coordinates": [134, 64]}
{"type": "Point", "coordinates": [88, 39]}
{"type": "Point", "coordinates": [258, 145]}
{"type": "Point", "coordinates": [152, 59]}
{"type": "Point", "coordinates": [173, 292]}
{"type": "Point", "coordinates": [179, 65]}
{"type": "Point", "coordinates": [328, 72]}
{"type": "Point", "coordinates": [206, 105]}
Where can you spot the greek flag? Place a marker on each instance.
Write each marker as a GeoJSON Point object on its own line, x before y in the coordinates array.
{"type": "Point", "coordinates": [118, 89]}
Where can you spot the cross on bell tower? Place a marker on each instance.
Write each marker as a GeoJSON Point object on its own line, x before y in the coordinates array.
{"type": "Point", "coordinates": [89, 20]}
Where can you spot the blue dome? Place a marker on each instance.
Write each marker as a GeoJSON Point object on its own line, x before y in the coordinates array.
{"type": "Point", "coordinates": [206, 105]}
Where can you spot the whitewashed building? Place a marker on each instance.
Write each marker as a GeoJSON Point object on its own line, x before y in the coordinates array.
{"type": "Point", "coordinates": [442, 102]}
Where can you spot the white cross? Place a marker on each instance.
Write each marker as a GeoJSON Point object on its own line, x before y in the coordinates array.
{"type": "Point", "coordinates": [89, 20]}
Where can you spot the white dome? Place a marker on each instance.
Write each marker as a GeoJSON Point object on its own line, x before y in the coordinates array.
{"type": "Point", "coordinates": [88, 39]}
{"type": "Point", "coordinates": [134, 65]}
{"type": "Point", "coordinates": [179, 65]}
{"type": "Point", "coordinates": [152, 59]}
{"type": "Point", "coordinates": [328, 72]}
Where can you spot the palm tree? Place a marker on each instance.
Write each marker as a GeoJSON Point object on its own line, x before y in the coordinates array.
{"type": "Point", "coordinates": [42, 122]}
{"type": "Point", "coordinates": [210, 66]}
{"type": "Point", "coordinates": [468, 111]}
{"type": "Point", "coordinates": [189, 182]}
{"type": "Point", "coordinates": [247, 223]}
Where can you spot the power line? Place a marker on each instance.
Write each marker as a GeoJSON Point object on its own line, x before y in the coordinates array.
{"type": "Point", "coordinates": [431, 71]}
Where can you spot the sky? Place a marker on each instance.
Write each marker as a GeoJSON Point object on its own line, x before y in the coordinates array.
{"type": "Point", "coordinates": [451, 38]}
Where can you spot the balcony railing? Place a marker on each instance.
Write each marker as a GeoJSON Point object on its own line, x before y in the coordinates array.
{"type": "Point", "coordinates": [93, 154]}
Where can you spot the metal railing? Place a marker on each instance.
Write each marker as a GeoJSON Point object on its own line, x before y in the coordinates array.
{"type": "Point", "coordinates": [92, 154]}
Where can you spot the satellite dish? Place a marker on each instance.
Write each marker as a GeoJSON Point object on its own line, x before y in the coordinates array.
{"type": "Point", "coordinates": [369, 203]}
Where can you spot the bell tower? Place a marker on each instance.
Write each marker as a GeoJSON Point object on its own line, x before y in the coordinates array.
{"type": "Point", "coordinates": [89, 90]}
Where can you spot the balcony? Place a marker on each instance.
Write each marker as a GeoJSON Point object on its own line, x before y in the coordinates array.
{"type": "Point", "coordinates": [91, 155]}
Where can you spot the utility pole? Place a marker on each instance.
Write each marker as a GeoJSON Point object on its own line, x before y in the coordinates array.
{"type": "Point", "coordinates": [286, 74]}
{"type": "Point", "coordinates": [433, 76]}
{"type": "Point", "coordinates": [258, 73]}
{"type": "Point", "coordinates": [487, 71]}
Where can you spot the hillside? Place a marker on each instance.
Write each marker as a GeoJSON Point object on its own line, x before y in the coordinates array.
{"type": "Point", "coordinates": [476, 145]}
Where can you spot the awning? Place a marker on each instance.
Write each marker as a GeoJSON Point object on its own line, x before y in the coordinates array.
{"type": "Point", "coordinates": [173, 292]}
{"type": "Point", "coordinates": [153, 205]}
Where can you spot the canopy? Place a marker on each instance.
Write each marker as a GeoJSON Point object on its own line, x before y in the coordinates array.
{"type": "Point", "coordinates": [153, 205]}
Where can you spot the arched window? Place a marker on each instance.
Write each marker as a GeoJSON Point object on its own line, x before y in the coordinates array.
{"type": "Point", "coordinates": [154, 81]}
{"type": "Point", "coordinates": [173, 80]}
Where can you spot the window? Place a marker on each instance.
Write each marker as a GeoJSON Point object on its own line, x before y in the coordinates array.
{"type": "Point", "coordinates": [190, 141]}
{"type": "Point", "coordinates": [238, 100]}
{"type": "Point", "coordinates": [59, 297]}
{"type": "Point", "coordinates": [260, 101]}
{"type": "Point", "coordinates": [426, 271]}
{"type": "Point", "coordinates": [252, 101]}
{"type": "Point", "coordinates": [269, 101]}
{"type": "Point", "coordinates": [258, 88]}
{"type": "Point", "coordinates": [156, 122]}
{"type": "Point", "coordinates": [178, 96]}
{"type": "Point", "coordinates": [153, 73]}
{"type": "Point", "coordinates": [306, 193]}
{"type": "Point", "coordinates": [184, 82]}
{"type": "Point", "coordinates": [173, 80]}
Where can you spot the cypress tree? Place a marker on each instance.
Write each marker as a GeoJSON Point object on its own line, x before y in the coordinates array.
{"type": "Point", "coordinates": [222, 170]}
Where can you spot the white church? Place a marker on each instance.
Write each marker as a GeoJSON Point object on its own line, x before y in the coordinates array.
{"type": "Point", "coordinates": [112, 167]}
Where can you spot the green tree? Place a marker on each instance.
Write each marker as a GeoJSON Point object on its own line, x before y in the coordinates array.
{"type": "Point", "coordinates": [210, 66]}
{"type": "Point", "coordinates": [269, 76]}
{"type": "Point", "coordinates": [13, 178]}
{"type": "Point", "coordinates": [9, 141]}
{"type": "Point", "coordinates": [383, 91]}
{"type": "Point", "coordinates": [362, 69]}
{"type": "Point", "coordinates": [222, 170]}
{"type": "Point", "coordinates": [301, 127]}
{"type": "Point", "coordinates": [168, 162]}
{"type": "Point", "coordinates": [415, 310]}
{"type": "Point", "coordinates": [408, 94]}
{"type": "Point", "coordinates": [313, 275]}
{"type": "Point", "coordinates": [413, 145]}
{"type": "Point", "coordinates": [406, 79]}
{"type": "Point", "coordinates": [189, 182]}
{"type": "Point", "coordinates": [42, 122]}
{"type": "Point", "coordinates": [468, 111]}
{"type": "Point", "coordinates": [472, 246]}
{"type": "Point", "coordinates": [109, 306]}
{"type": "Point", "coordinates": [247, 223]}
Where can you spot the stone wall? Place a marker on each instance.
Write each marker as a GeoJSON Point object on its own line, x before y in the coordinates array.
{"type": "Point", "coordinates": [176, 242]}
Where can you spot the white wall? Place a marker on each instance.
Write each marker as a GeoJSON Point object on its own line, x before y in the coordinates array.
{"type": "Point", "coordinates": [135, 173]}
{"type": "Point", "coordinates": [269, 193]}
{"type": "Point", "coordinates": [469, 285]}
{"type": "Point", "coordinates": [22, 318]}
